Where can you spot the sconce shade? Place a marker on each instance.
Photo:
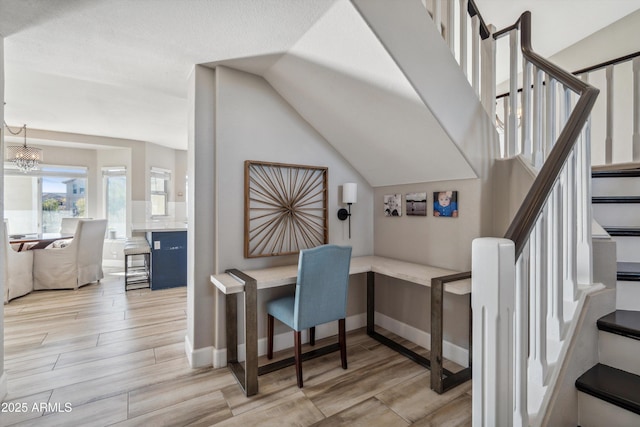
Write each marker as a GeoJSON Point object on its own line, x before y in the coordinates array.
{"type": "Point", "coordinates": [349, 192]}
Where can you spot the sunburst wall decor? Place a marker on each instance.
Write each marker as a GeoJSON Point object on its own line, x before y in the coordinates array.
{"type": "Point", "coordinates": [285, 208]}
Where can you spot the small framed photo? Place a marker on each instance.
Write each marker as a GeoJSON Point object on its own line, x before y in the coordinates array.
{"type": "Point", "coordinates": [445, 203]}
{"type": "Point", "coordinates": [416, 204]}
{"type": "Point", "coordinates": [393, 205]}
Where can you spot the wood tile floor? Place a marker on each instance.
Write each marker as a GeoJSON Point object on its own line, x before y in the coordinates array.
{"type": "Point", "coordinates": [100, 357]}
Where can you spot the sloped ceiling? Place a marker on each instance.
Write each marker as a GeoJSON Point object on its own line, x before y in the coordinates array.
{"type": "Point", "coordinates": [342, 81]}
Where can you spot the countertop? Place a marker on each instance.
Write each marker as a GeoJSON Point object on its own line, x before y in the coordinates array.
{"type": "Point", "coordinates": [158, 226]}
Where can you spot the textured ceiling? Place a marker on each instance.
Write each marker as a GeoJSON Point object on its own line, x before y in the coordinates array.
{"type": "Point", "coordinates": [119, 68]}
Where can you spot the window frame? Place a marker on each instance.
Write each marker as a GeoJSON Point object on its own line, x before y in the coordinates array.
{"type": "Point", "coordinates": [164, 175]}
{"type": "Point", "coordinates": [111, 172]}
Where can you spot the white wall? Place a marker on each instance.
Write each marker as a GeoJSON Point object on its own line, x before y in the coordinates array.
{"type": "Point", "coordinates": [253, 122]}
{"type": "Point", "coordinates": [613, 41]}
{"type": "Point", "coordinates": [203, 307]}
{"type": "Point", "coordinates": [441, 242]}
{"type": "Point", "coordinates": [3, 375]}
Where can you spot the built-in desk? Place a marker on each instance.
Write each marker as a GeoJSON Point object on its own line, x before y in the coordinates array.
{"type": "Point", "coordinates": [235, 282]}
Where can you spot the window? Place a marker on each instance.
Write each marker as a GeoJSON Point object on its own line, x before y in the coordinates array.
{"type": "Point", "coordinates": [38, 200]}
{"type": "Point", "coordinates": [159, 191]}
{"type": "Point", "coordinates": [115, 199]}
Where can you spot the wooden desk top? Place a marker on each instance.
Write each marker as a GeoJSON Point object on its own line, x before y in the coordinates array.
{"type": "Point", "coordinates": [410, 272]}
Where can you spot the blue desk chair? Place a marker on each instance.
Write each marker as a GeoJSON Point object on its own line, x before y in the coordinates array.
{"type": "Point", "coordinates": [321, 297]}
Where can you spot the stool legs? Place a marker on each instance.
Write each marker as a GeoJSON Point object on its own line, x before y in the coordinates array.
{"type": "Point", "coordinates": [142, 274]}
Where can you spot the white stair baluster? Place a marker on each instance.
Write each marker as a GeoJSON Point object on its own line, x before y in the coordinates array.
{"type": "Point", "coordinates": [521, 415]}
{"type": "Point", "coordinates": [636, 109]}
{"type": "Point", "coordinates": [555, 317]}
{"type": "Point", "coordinates": [475, 54]}
{"type": "Point", "coordinates": [538, 303]}
{"type": "Point", "coordinates": [537, 119]}
{"type": "Point", "coordinates": [451, 25]}
{"type": "Point", "coordinates": [608, 143]}
{"type": "Point", "coordinates": [583, 212]}
{"type": "Point", "coordinates": [513, 96]}
{"type": "Point", "coordinates": [550, 115]}
{"type": "Point", "coordinates": [525, 119]}
{"type": "Point", "coordinates": [463, 36]}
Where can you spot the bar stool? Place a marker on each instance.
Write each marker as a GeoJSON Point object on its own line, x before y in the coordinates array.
{"type": "Point", "coordinates": [137, 274]}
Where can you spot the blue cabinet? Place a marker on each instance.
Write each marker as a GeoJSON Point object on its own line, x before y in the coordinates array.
{"type": "Point", "coordinates": [168, 259]}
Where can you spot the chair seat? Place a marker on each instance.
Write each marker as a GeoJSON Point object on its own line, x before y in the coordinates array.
{"type": "Point", "coordinates": [282, 309]}
{"type": "Point", "coordinates": [136, 249]}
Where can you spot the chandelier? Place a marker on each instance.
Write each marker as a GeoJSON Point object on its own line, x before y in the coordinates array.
{"type": "Point", "coordinates": [24, 157]}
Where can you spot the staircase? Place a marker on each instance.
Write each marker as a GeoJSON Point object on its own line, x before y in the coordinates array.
{"type": "Point", "coordinates": [609, 392]}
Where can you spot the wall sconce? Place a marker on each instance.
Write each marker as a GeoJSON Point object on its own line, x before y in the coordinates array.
{"type": "Point", "coordinates": [349, 196]}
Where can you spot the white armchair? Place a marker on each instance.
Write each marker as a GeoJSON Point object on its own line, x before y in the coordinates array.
{"type": "Point", "coordinates": [75, 265]}
{"type": "Point", "coordinates": [18, 272]}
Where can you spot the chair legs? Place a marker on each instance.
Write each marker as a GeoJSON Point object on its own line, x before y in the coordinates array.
{"type": "Point", "coordinates": [269, 336]}
{"type": "Point", "coordinates": [297, 345]}
{"type": "Point", "coordinates": [342, 341]}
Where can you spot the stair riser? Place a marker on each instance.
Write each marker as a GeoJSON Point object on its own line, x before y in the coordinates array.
{"type": "Point", "coordinates": [619, 351]}
{"type": "Point", "coordinates": [628, 296]}
{"type": "Point", "coordinates": [615, 187]}
{"type": "Point", "coordinates": [627, 248]}
{"type": "Point", "coordinates": [594, 412]}
{"type": "Point", "coordinates": [614, 214]}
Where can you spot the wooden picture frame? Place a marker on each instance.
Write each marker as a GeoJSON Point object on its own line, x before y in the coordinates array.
{"type": "Point", "coordinates": [285, 208]}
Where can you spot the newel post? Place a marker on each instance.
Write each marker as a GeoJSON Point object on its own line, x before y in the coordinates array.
{"type": "Point", "coordinates": [492, 297]}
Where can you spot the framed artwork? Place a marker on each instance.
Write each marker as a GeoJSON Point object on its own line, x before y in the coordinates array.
{"type": "Point", "coordinates": [285, 208]}
{"type": "Point", "coordinates": [393, 205]}
{"type": "Point", "coordinates": [445, 203]}
{"type": "Point", "coordinates": [416, 204]}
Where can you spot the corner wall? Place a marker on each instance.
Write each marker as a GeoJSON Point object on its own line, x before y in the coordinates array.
{"type": "Point", "coordinates": [253, 122]}
{"type": "Point", "coordinates": [437, 241]}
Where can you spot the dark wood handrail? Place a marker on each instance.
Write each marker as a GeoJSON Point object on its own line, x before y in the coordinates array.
{"type": "Point", "coordinates": [534, 202]}
{"type": "Point", "coordinates": [589, 69]}
{"type": "Point", "coordinates": [607, 63]}
{"type": "Point", "coordinates": [473, 10]}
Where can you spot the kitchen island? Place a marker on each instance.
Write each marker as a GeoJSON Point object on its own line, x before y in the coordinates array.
{"type": "Point", "coordinates": [168, 241]}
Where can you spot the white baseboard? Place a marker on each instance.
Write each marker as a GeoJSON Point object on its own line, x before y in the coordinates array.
{"type": "Point", "coordinates": [285, 340]}
{"type": "Point", "coordinates": [423, 339]}
{"type": "Point", "coordinates": [3, 386]}
{"type": "Point", "coordinates": [219, 358]}
{"type": "Point", "coordinates": [200, 358]}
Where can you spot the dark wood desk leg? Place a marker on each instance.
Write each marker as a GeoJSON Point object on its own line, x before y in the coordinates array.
{"type": "Point", "coordinates": [247, 374]}
{"type": "Point", "coordinates": [251, 337]}
{"type": "Point", "coordinates": [371, 302]}
{"type": "Point", "coordinates": [470, 333]}
{"type": "Point", "coordinates": [437, 299]}
{"type": "Point", "coordinates": [232, 328]}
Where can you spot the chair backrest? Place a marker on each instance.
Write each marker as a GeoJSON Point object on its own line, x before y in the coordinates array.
{"type": "Point", "coordinates": [69, 225]}
{"type": "Point", "coordinates": [321, 288]}
{"type": "Point", "coordinates": [89, 237]}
